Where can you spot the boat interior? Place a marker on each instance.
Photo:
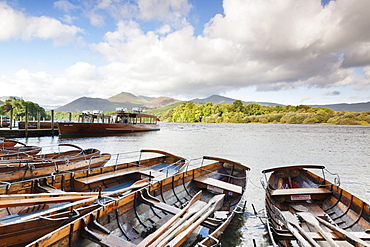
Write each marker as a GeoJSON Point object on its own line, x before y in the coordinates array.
{"type": "Point", "coordinates": [299, 197]}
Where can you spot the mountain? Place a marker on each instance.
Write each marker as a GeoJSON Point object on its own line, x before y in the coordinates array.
{"type": "Point", "coordinates": [125, 97]}
{"type": "Point", "coordinates": [219, 100]}
{"type": "Point", "coordinates": [160, 102]}
{"type": "Point", "coordinates": [354, 107]}
{"type": "Point", "coordinates": [146, 98]}
{"type": "Point", "coordinates": [86, 103]}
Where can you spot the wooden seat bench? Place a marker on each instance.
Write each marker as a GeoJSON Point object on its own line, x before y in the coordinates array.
{"type": "Point", "coordinates": [297, 194]}
{"type": "Point", "coordinates": [135, 173]}
{"type": "Point", "coordinates": [218, 186]}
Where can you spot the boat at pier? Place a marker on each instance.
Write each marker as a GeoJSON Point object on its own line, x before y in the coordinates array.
{"type": "Point", "coordinates": [120, 122]}
{"type": "Point", "coordinates": [305, 209]}
{"type": "Point", "coordinates": [37, 125]}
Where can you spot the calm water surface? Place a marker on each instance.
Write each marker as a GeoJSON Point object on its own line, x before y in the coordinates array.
{"type": "Point", "coordinates": [342, 149]}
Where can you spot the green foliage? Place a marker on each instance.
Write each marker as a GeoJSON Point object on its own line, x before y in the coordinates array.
{"type": "Point", "coordinates": [19, 107]}
{"type": "Point", "coordinates": [254, 113]}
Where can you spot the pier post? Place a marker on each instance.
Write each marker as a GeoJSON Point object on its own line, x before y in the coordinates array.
{"type": "Point", "coordinates": [52, 122]}
{"type": "Point", "coordinates": [38, 119]}
{"type": "Point", "coordinates": [11, 118]}
{"type": "Point", "coordinates": [26, 124]}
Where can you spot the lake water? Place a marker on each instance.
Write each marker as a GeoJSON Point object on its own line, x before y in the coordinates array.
{"type": "Point", "coordinates": [342, 149]}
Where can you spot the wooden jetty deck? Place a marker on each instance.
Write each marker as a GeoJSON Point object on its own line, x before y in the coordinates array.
{"type": "Point", "coordinates": [22, 133]}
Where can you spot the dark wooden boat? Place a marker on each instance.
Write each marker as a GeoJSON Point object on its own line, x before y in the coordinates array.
{"type": "Point", "coordinates": [18, 150]}
{"type": "Point", "coordinates": [4, 121]}
{"type": "Point", "coordinates": [24, 169]}
{"type": "Point", "coordinates": [70, 155]}
{"type": "Point", "coordinates": [48, 212]}
{"type": "Point", "coordinates": [127, 169]}
{"type": "Point", "coordinates": [304, 209]}
{"type": "Point", "coordinates": [118, 123]}
{"type": "Point", "coordinates": [191, 207]}
{"type": "Point", "coordinates": [5, 143]}
{"type": "Point", "coordinates": [37, 125]}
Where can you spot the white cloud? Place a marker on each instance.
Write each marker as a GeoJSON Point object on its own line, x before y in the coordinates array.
{"type": "Point", "coordinates": [16, 25]}
{"type": "Point", "coordinates": [271, 45]}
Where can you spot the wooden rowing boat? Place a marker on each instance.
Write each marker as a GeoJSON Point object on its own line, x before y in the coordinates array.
{"type": "Point", "coordinates": [306, 209]}
{"type": "Point", "coordinates": [23, 169]}
{"type": "Point", "coordinates": [4, 143]}
{"type": "Point", "coordinates": [194, 206]}
{"type": "Point", "coordinates": [72, 155]}
{"type": "Point", "coordinates": [48, 212]}
{"type": "Point", "coordinates": [18, 210]}
{"type": "Point", "coordinates": [157, 165]}
{"type": "Point", "coordinates": [17, 151]}
{"type": "Point", "coordinates": [127, 169]}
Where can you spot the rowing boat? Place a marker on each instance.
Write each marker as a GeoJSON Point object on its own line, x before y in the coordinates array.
{"type": "Point", "coordinates": [127, 168]}
{"type": "Point", "coordinates": [4, 143]}
{"type": "Point", "coordinates": [96, 186]}
{"type": "Point", "coordinates": [16, 150]}
{"type": "Point", "coordinates": [193, 206]}
{"type": "Point", "coordinates": [151, 164]}
{"type": "Point", "coordinates": [305, 209]}
{"type": "Point", "coordinates": [70, 155]}
{"type": "Point", "coordinates": [24, 169]}
{"type": "Point", "coordinates": [48, 212]}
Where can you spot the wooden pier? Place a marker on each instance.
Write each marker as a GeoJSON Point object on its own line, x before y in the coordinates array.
{"type": "Point", "coordinates": [23, 133]}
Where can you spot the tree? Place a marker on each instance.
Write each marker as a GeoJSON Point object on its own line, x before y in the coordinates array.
{"type": "Point", "coordinates": [19, 107]}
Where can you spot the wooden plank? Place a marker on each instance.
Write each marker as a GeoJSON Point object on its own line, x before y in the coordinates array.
{"type": "Point", "coordinates": [219, 184]}
{"type": "Point", "coordinates": [300, 191]}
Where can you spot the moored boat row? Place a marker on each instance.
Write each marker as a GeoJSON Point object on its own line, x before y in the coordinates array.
{"type": "Point", "coordinates": [155, 198]}
{"type": "Point", "coordinates": [160, 200]}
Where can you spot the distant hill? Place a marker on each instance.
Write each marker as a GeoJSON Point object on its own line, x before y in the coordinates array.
{"type": "Point", "coordinates": [146, 98]}
{"type": "Point", "coordinates": [219, 100]}
{"type": "Point", "coordinates": [354, 107]}
{"type": "Point", "coordinates": [160, 102]}
{"type": "Point", "coordinates": [125, 97]}
{"type": "Point", "coordinates": [86, 103]}
{"type": "Point", "coordinates": [121, 100]}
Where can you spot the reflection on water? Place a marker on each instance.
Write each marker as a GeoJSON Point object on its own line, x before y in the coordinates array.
{"type": "Point", "coordinates": [342, 149]}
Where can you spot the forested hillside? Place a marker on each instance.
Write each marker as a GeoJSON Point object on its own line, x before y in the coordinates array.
{"type": "Point", "coordinates": [255, 113]}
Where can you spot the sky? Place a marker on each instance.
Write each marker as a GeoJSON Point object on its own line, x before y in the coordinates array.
{"type": "Point", "coordinates": [282, 51]}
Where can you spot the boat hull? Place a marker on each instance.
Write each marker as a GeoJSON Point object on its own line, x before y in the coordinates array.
{"type": "Point", "coordinates": [90, 129]}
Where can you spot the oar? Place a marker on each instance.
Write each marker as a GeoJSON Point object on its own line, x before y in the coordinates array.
{"type": "Point", "coordinates": [352, 239]}
{"type": "Point", "coordinates": [311, 219]}
{"type": "Point", "coordinates": [135, 186]}
{"type": "Point", "coordinates": [177, 228]}
{"type": "Point", "coordinates": [41, 200]}
{"type": "Point", "coordinates": [301, 235]}
{"type": "Point", "coordinates": [357, 242]}
{"type": "Point", "coordinates": [181, 237]}
{"type": "Point", "coordinates": [152, 237]}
